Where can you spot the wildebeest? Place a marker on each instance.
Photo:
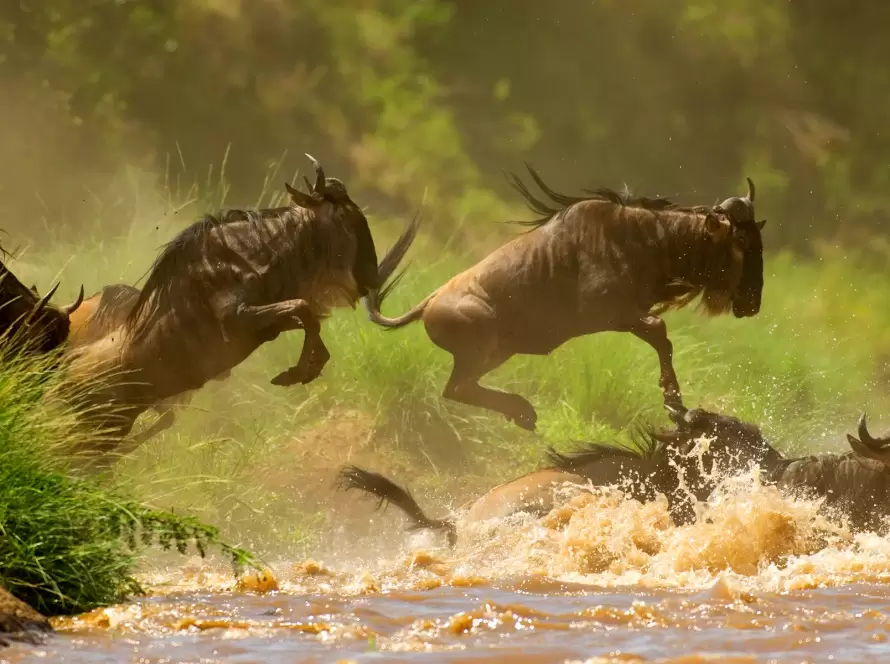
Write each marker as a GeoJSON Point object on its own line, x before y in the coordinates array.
{"type": "Point", "coordinates": [228, 284]}
{"type": "Point", "coordinates": [854, 485]}
{"type": "Point", "coordinates": [667, 462]}
{"type": "Point", "coordinates": [602, 262]}
{"type": "Point", "coordinates": [28, 321]}
{"type": "Point", "coordinates": [103, 314]}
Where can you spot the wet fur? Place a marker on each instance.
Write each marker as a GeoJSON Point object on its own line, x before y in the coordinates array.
{"type": "Point", "coordinates": [852, 486]}
{"type": "Point", "coordinates": [388, 492]}
{"type": "Point", "coordinates": [642, 475]}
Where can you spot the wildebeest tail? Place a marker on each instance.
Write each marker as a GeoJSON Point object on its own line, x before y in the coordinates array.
{"type": "Point", "coordinates": [387, 491]}
{"type": "Point", "coordinates": [388, 265]}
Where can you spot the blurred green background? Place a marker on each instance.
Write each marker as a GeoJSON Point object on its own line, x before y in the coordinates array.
{"type": "Point", "coordinates": [680, 98]}
{"type": "Point", "coordinates": [122, 120]}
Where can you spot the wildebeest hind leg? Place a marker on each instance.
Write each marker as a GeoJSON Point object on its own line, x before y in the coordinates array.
{"type": "Point", "coordinates": [463, 386]}
{"type": "Point", "coordinates": [291, 315]}
{"type": "Point", "coordinates": [653, 331]}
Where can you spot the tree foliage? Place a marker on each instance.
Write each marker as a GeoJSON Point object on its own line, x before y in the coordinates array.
{"type": "Point", "coordinates": [406, 98]}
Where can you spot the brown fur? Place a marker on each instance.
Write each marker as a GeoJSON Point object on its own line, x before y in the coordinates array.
{"type": "Point", "coordinates": [226, 285]}
{"type": "Point", "coordinates": [102, 315]}
{"type": "Point", "coordinates": [600, 263]}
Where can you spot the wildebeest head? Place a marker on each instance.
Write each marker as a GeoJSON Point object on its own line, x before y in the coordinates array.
{"type": "Point", "coordinates": [734, 218]}
{"type": "Point", "coordinates": [868, 446]}
{"type": "Point", "coordinates": [346, 213]}
{"type": "Point", "coordinates": [29, 319]}
{"type": "Point", "coordinates": [734, 446]}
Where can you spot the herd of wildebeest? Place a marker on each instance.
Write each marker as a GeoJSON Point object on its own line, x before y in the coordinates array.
{"type": "Point", "coordinates": [603, 261]}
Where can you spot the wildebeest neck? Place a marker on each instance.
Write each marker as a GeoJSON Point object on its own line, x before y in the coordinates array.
{"type": "Point", "coordinates": [691, 261]}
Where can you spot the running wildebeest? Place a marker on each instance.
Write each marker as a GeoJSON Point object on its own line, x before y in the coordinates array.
{"type": "Point", "coordinates": [668, 463]}
{"type": "Point", "coordinates": [604, 262]}
{"type": "Point", "coordinates": [854, 485]}
{"type": "Point", "coordinates": [228, 284]}
{"type": "Point", "coordinates": [28, 321]}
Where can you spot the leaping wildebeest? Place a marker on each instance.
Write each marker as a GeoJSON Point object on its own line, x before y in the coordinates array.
{"type": "Point", "coordinates": [602, 262]}
{"type": "Point", "coordinates": [228, 284]}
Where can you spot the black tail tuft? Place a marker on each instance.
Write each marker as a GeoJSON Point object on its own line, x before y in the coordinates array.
{"type": "Point", "coordinates": [388, 492]}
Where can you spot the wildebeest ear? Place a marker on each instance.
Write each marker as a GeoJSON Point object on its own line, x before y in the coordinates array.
{"type": "Point", "coordinates": [717, 225]}
{"type": "Point", "coordinates": [761, 224]}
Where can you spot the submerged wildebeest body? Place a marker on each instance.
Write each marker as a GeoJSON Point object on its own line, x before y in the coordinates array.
{"type": "Point", "coordinates": [230, 283]}
{"type": "Point", "coordinates": [604, 262]}
{"type": "Point", "coordinates": [668, 463]}
{"type": "Point", "coordinates": [854, 485]}
{"type": "Point", "coordinates": [27, 321]}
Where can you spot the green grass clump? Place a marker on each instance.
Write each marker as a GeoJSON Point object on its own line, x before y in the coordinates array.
{"type": "Point", "coordinates": [68, 545]}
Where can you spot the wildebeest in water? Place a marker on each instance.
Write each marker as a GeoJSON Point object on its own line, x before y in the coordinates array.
{"type": "Point", "coordinates": [29, 322]}
{"type": "Point", "coordinates": [667, 462]}
{"type": "Point", "coordinates": [602, 262]}
{"type": "Point", "coordinates": [854, 485]}
{"type": "Point", "coordinates": [230, 283]}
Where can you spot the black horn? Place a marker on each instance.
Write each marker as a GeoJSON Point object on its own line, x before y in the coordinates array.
{"type": "Point", "coordinates": [69, 309]}
{"type": "Point", "coordinates": [677, 414]}
{"type": "Point", "coordinates": [864, 435]}
{"type": "Point", "coordinates": [319, 176]}
{"type": "Point", "coordinates": [299, 198]}
{"type": "Point", "coordinates": [45, 299]}
{"type": "Point", "coordinates": [750, 195]}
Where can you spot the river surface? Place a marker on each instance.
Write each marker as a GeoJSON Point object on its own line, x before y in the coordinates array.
{"type": "Point", "coordinates": [758, 578]}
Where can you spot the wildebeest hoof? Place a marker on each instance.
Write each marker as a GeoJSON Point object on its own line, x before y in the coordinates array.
{"type": "Point", "coordinates": [529, 424]}
{"type": "Point", "coordinates": [295, 376]}
{"type": "Point", "coordinates": [524, 416]}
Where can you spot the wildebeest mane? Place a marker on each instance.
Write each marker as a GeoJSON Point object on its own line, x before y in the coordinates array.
{"type": "Point", "coordinates": [564, 201]}
{"type": "Point", "coordinates": [587, 453]}
{"type": "Point", "coordinates": [190, 246]}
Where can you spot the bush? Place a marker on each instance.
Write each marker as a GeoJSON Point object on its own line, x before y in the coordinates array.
{"type": "Point", "coordinates": [68, 545]}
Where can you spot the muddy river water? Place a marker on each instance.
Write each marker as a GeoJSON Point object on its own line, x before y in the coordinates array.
{"type": "Point", "coordinates": [758, 578]}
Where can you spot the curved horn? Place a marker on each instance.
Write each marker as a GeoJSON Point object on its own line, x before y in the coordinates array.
{"type": "Point", "coordinates": [69, 309]}
{"type": "Point", "coordinates": [677, 415]}
{"type": "Point", "coordinates": [45, 299]}
{"type": "Point", "coordinates": [319, 176]}
{"type": "Point", "coordinates": [868, 446]}
{"type": "Point", "coordinates": [864, 435]}
{"type": "Point", "coordinates": [298, 197]}
{"type": "Point", "coordinates": [750, 194]}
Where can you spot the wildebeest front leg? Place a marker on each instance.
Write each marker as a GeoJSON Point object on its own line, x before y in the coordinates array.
{"type": "Point", "coordinates": [653, 331]}
{"type": "Point", "coordinates": [292, 315]}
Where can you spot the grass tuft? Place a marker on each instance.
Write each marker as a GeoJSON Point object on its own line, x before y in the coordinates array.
{"type": "Point", "coordinates": [68, 545]}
